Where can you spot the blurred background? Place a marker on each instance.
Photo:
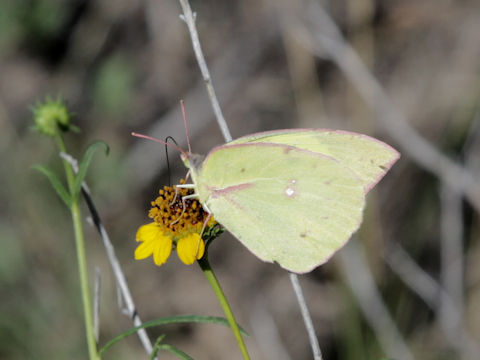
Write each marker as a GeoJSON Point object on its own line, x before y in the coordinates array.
{"type": "Point", "coordinates": [406, 286]}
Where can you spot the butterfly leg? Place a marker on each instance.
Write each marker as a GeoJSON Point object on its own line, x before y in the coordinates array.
{"type": "Point", "coordinates": [192, 186]}
{"type": "Point", "coordinates": [180, 186]}
{"type": "Point", "coordinates": [184, 206]}
{"type": "Point", "coordinates": [175, 197]}
{"type": "Point", "coordinates": [186, 186]}
{"type": "Point", "coordinates": [205, 223]}
{"type": "Point", "coordinates": [205, 207]}
{"type": "Point", "coordinates": [188, 175]}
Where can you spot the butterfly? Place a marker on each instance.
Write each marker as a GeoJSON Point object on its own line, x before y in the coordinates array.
{"type": "Point", "coordinates": [294, 196]}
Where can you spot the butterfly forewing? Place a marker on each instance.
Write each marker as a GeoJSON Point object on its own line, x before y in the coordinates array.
{"type": "Point", "coordinates": [368, 157]}
{"type": "Point", "coordinates": [285, 204]}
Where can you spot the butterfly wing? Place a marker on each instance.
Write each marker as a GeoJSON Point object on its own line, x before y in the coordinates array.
{"type": "Point", "coordinates": [286, 205]}
{"type": "Point", "coordinates": [367, 157]}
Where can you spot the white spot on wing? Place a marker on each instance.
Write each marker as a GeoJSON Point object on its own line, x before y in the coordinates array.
{"type": "Point", "coordinates": [289, 191]}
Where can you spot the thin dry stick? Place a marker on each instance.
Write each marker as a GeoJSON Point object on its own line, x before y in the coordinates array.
{"type": "Point", "coordinates": [363, 286]}
{"type": "Point", "coordinates": [197, 49]}
{"type": "Point", "coordinates": [326, 40]}
{"type": "Point", "coordinates": [307, 319]}
{"type": "Point", "coordinates": [190, 21]}
{"type": "Point", "coordinates": [114, 263]}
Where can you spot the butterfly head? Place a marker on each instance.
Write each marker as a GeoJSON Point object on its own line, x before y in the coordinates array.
{"type": "Point", "coordinates": [192, 161]}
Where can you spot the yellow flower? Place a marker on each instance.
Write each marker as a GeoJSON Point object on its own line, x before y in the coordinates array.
{"type": "Point", "coordinates": [173, 225]}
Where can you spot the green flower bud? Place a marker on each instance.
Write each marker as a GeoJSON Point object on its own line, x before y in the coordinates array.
{"type": "Point", "coordinates": [50, 116]}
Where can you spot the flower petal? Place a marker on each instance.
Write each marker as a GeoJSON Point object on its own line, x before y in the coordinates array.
{"type": "Point", "coordinates": [190, 248]}
{"type": "Point", "coordinates": [144, 250]}
{"type": "Point", "coordinates": [154, 242]}
{"type": "Point", "coordinates": [149, 231]}
{"type": "Point", "coordinates": [162, 251]}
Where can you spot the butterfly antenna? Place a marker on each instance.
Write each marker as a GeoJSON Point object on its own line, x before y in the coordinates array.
{"type": "Point", "coordinates": [168, 161]}
{"type": "Point", "coordinates": [184, 114]}
{"type": "Point", "coordinates": [158, 141]}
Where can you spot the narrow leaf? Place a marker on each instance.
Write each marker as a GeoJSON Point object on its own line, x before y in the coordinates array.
{"type": "Point", "coordinates": [175, 351]}
{"type": "Point", "coordinates": [84, 163]}
{"type": "Point", "coordinates": [169, 320]}
{"type": "Point", "coordinates": [56, 184]}
{"type": "Point", "coordinates": [156, 346]}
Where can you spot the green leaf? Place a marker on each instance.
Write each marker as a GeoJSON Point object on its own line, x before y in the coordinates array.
{"type": "Point", "coordinates": [173, 350]}
{"type": "Point", "coordinates": [84, 163]}
{"type": "Point", "coordinates": [169, 320]}
{"type": "Point", "coordinates": [56, 184]}
{"type": "Point", "coordinates": [156, 346]}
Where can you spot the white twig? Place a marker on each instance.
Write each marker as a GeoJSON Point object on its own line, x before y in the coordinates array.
{"type": "Point", "coordinates": [190, 21]}
{"type": "Point", "coordinates": [362, 284]}
{"type": "Point", "coordinates": [307, 319]}
{"type": "Point", "coordinates": [114, 263]}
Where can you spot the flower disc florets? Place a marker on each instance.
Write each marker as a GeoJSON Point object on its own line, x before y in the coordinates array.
{"type": "Point", "coordinates": [177, 221]}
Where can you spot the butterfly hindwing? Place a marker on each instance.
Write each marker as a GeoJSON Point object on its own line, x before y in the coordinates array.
{"type": "Point", "coordinates": [285, 204]}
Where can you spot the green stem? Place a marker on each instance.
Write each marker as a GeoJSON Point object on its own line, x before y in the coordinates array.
{"type": "Point", "coordinates": [82, 269]}
{"type": "Point", "coordinates": [212, 279]}
{"type": "Point", "coordinates": [68, 168]}
{"type": "Point", "coordinates": [81, 258]}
